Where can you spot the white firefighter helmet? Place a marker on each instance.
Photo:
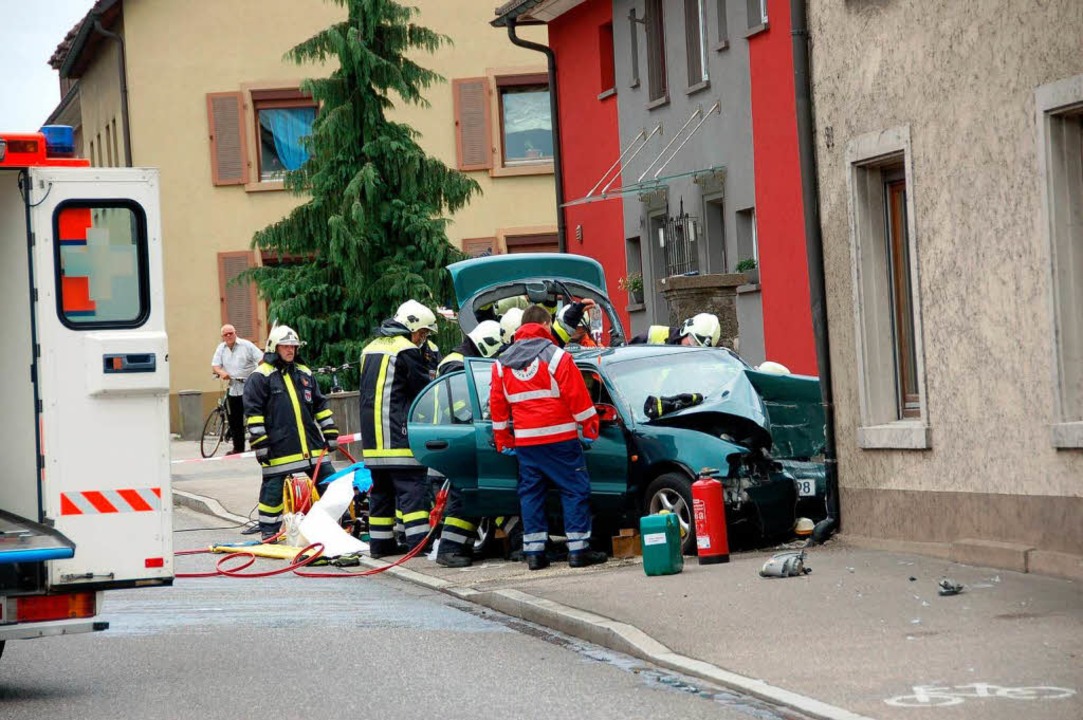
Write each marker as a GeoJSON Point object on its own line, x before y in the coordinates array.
{"type": "Point", "coordinates": [518, 302]}
{"type": "Point", "coordinates": [509, 323]}
{"type": "Point", "coordinates": [282, 335]}
{"type": "Point", "coordinates": [415, 316]}
{"type": "Point", "coordinates": [487, 337]}
{"type": "Point", "coordinates": [584, 322]}
{"type": "Point", "coordinates": [704, 329]}
{"type": "Point", "coordinates": [773, 368]}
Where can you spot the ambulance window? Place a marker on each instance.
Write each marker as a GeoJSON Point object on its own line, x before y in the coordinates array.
{"type": "Point", "coordinates": [100, 252]}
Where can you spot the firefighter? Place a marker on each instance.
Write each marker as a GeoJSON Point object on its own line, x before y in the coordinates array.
{"type": "Point", "coordinates": [394, 370]}
{"type": "Point", "coordinates": [577, 334]}
{"type": "Point", "coordinates": [538, 388]}
{"type": "Point", "coordinates": [458, 531]}
{"type": "Point", "coordinates": [702, 330]}
{"type": "Point", "coordinates": [509, 323]}
{"type": "Point", "coordinates": [289, 424]}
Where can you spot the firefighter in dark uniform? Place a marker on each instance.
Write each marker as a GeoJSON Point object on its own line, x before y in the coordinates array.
{"type": "Point", "coordinates": [458, 531]}
{"type": "Point", "coordinates": [702, 330]}
{"type": "Point", "coordinates": [289, 424]}
{"type": "Point", "coordinates": [394, 370]}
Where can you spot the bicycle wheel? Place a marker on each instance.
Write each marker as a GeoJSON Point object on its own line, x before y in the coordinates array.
{"type": "Point", "coordinates": [213, 432]}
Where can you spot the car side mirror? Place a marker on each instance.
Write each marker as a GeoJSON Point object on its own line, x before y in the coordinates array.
{"type": "Point", "coordinates": [607, 414]}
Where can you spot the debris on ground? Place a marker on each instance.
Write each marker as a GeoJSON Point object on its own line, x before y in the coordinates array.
{"type": "Point", "coordinates": [785, 564]}
{"type": "Point", "coordinates": [950, 587]}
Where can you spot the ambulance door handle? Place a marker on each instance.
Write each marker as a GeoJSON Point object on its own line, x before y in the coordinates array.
{"type": "Point", "coordinates": [436, 444]}
{"type": "Point", "coordinates": [129, 363]}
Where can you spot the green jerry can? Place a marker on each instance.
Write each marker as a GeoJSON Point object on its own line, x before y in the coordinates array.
{"type": "Point", "coordinates": [661, 538]}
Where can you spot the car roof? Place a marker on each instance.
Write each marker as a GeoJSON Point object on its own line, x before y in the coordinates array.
{"type": "Point", "coordinates": [611, 355]}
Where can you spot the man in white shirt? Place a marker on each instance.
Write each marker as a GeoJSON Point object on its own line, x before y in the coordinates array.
{"type": "Point", "coordinates": [234, 360]}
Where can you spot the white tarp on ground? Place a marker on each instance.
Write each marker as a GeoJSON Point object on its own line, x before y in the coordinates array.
{"type": "Point", "coordinates": [321, 523]}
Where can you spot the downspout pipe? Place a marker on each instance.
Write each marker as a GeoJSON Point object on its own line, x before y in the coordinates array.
{"type": "Point", "coordinates": [123, 88]}
{"type": "Point", "coordinates": [554, 107]}
{"type": "Point", "coordinates": [814, 248]}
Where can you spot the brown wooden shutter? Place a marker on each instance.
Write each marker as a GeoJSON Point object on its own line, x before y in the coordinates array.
{"type": "Point", "coordinates": [229, 151]}
{"type": "Point", "coordinates": [477, 247]}
{"type": "Point", "coordinates": [473, 128]}
{"type": "Point", "coordinates": [238, 300]}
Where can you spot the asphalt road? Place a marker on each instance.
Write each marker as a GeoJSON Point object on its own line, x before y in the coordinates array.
{"type": "Point", "coordinates": [287, 647]}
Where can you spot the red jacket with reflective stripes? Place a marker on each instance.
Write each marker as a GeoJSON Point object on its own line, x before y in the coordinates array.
{"type": "Point", "coordinates": [537, 387]}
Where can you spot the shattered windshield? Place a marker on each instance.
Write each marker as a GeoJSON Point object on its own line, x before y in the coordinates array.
{"type": "Point", "coordinates": [710, 374]}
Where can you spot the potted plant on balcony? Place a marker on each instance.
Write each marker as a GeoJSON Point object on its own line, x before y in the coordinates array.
{"type": "Point", "coordinates": [750, 269]}
{"type": "Point", "coordinates": [632, 283]}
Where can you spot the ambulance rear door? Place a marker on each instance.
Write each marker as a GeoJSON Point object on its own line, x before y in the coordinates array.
{"type": "Point", "coordinates": [103, 375]}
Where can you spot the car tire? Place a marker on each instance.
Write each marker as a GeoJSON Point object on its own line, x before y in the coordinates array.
{"type": "Point", "coordinates": [673, 492]}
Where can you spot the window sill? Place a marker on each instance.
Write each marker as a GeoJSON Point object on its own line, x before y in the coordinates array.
{"type": "Point", "coordinates": [901, 435]}
{"type": "Point", "coordinates": [520, 170]}
{"type": "Point", "coordinates": [660, 102]}
{"type": "Point", "coordinates": [722, 45]}
{"type": "Point", "coordinates": [757, 29]}
{"type": "Point", "coordinates": [748, 288]}
{"type": "Point", "coordinates": [636, 307]}
{"type": "Point", "coordinates": [605, 94]}
{"type": "Point", "coordinates": [698, 87]}
{"type": "Point", "coordinates": [634, 83]}
{"type": "Point", "coordinates": [264, 186]}
{"type": "Point", "coordinates": [1068, 435]}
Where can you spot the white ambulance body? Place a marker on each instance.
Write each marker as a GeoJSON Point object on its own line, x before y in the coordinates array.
{"type": "Point", "coordinates": [85, 499]}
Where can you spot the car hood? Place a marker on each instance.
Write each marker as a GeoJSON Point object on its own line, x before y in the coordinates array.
{"type": "Point", "coordinates": [480, 281]}
{"type": "Point", "coordinates": [780, 413]}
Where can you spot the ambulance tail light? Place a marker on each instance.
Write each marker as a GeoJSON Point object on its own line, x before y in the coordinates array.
{"type": "Point", "coordinates": [59, 140]}
{"type": "Point", "coordinates": [39, 608]}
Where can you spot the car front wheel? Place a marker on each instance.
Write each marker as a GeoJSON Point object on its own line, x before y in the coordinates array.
{"type": "Point", "coordinates": [672, 492]}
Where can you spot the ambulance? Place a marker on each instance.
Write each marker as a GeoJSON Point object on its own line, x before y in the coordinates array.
{"type": "Point", "coordinates": [85, 499]}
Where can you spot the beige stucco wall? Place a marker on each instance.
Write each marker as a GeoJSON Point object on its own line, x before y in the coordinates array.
{"type": "Point", "coordinates": [100, 107]}
{"type": "Point", "coordinates": [962, 77]}
{"type": "Point", "coordinates": [179, 52]}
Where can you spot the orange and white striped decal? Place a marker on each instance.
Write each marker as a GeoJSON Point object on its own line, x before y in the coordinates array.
{"type": "Point", "coordinates": [102, 502]}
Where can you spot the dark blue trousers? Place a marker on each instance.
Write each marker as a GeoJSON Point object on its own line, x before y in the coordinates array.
{"type": "Point", "coordinates": [564, 465]}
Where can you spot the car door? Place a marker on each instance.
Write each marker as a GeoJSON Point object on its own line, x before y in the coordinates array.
{"type": "Point", "coordinates": [497, 475]}
{"type": "Point", "coordinates": [441, 430]}
{"type": "Point", "coordinates": [607, 457]}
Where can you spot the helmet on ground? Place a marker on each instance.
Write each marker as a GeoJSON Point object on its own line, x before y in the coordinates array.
{"type": "Point", "coordinates": [415, 316]}
{"type": "Point", "coordinates": [509, 323]}
{"type": "Point", "coordinates": [515, 301]}
{"type": "Point", "coordinates": [773, 368]}
{"type": "Point", "coordinates": [704, 329]}
{"type": "Point", "coordinates": [487, 337]}
{"type": "Point", "coordinates": [803, 527]}
{"type": "Point", "coordinates": [282, 335]}
{"type": "Point", "coordinates": [584, 322]}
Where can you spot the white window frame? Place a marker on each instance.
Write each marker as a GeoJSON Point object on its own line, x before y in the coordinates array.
{"type": "Point", "coordinates": [880, 426]}
{"type": "Point", "coordinates": [1057, 107]}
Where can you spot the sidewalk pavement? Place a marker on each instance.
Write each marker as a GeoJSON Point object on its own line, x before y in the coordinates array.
{"type": "Point", "coordinates": [864, 635]}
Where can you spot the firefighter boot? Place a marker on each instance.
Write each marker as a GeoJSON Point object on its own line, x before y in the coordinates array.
{"type": "Point", "coordinates": [586, 557]}
{"type": "Point", "coordinates": [454, 560]}
{"type": "Point", "coordinates": [537, 562]}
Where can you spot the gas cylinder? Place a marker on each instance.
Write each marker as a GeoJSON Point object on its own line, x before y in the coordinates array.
{"type": "Point", "coordinates": [709, 510]}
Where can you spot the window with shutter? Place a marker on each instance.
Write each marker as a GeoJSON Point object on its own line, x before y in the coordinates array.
{"type": "Point", "coordinates": [479, 247]}
{"type": "Point", "coordinates": [229, 152]}
{"type": "Point", "coordinates": [473, 134]}
{"type": "Point", "coordinates": [238, 299]}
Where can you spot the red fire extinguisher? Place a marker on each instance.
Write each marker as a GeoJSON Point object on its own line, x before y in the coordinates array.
{"type": "Point", "coordinates": [712, 544]}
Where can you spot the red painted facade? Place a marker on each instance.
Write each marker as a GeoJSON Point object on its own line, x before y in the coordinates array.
{"type": "Point", "coordinates": [787, 316]}
{"type": "Point", "coordinates": [590, 140]}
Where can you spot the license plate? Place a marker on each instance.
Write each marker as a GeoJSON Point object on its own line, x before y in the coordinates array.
{"type": "Point", "coordinates": [806, 488]}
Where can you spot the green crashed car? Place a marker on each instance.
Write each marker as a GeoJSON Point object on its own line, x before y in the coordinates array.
{"type": "Point", "coordinates": [668, 412]}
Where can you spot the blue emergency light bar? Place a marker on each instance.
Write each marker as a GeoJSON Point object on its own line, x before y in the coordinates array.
{"type": "Point", "coordinates": [59, 140]}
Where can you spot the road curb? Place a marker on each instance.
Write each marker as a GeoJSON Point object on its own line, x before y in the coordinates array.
{"type": "Point", "coordinates": [581, 624]}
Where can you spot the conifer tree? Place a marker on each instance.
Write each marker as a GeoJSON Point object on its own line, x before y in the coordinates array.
{"type": "Point", "coordinates": [373, 233]}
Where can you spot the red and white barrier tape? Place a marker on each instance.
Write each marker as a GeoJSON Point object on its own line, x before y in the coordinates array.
{"type": "Point", "coordinates": [344, 440]}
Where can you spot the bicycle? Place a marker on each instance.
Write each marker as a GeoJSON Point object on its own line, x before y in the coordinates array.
{"type": "Point", "coordinates": [333, 371]}
{"type": "Point", "coordinates": [216, 427]}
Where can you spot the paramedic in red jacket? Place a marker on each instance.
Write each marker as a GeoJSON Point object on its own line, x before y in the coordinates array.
{"type": "Point", "coordinates": [537, 387]}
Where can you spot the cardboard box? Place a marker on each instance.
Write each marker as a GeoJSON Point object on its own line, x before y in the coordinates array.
{"type": "Point", "coordinates": [627, 545]}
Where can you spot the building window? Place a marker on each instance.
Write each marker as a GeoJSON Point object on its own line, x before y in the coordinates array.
{"type": "Point", "coordinates": [1060, 129]}
{"type": "Point", "coordinates": [283, 118]}
{"type": "Point", "coordinates": [886, 293]}
{"type": "Point", "coordinates": [757, 14]}
{"type": "Point", "coordinates": [695, 41]}
{"type": "Point", "coordinates": [656, 52]}
{"type": "Point", "coordinates": [723, 26]}
{"type": "Point", "coordinates": [606, 62]}
{"type": "Point", "coordinates": [526, 123]}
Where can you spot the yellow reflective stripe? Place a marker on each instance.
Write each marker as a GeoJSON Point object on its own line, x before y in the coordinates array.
{"type": "Point", "coordinates": [456, 522]}
{"type": "Point", "coordinates": [657, 335]}
{"type": "Point", "coordinates": [403, 452]}
{"type": "Point", "coordinates": [256, 441]}
{"type": "Point", "coordinates": [255, 420]}
{"type": "Point", "coordinates": [296, 414]}
{"type": "Point", "coordinates": [271, 509]}
{"type": "Point", "coordinates": [563, 334]}
{"type": "Point", "coordinates": [378, 407]}
{"type": "Point", "coordinates": [418, 515]}
{"type": "Point", "coordinates": [381, 521]}
{"type": "Point", "coordinates": [659, 407]}
{"type": "Point", "coordinates": [322, 414]}
{"type": "Point", "coordinates": [286, 459]}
